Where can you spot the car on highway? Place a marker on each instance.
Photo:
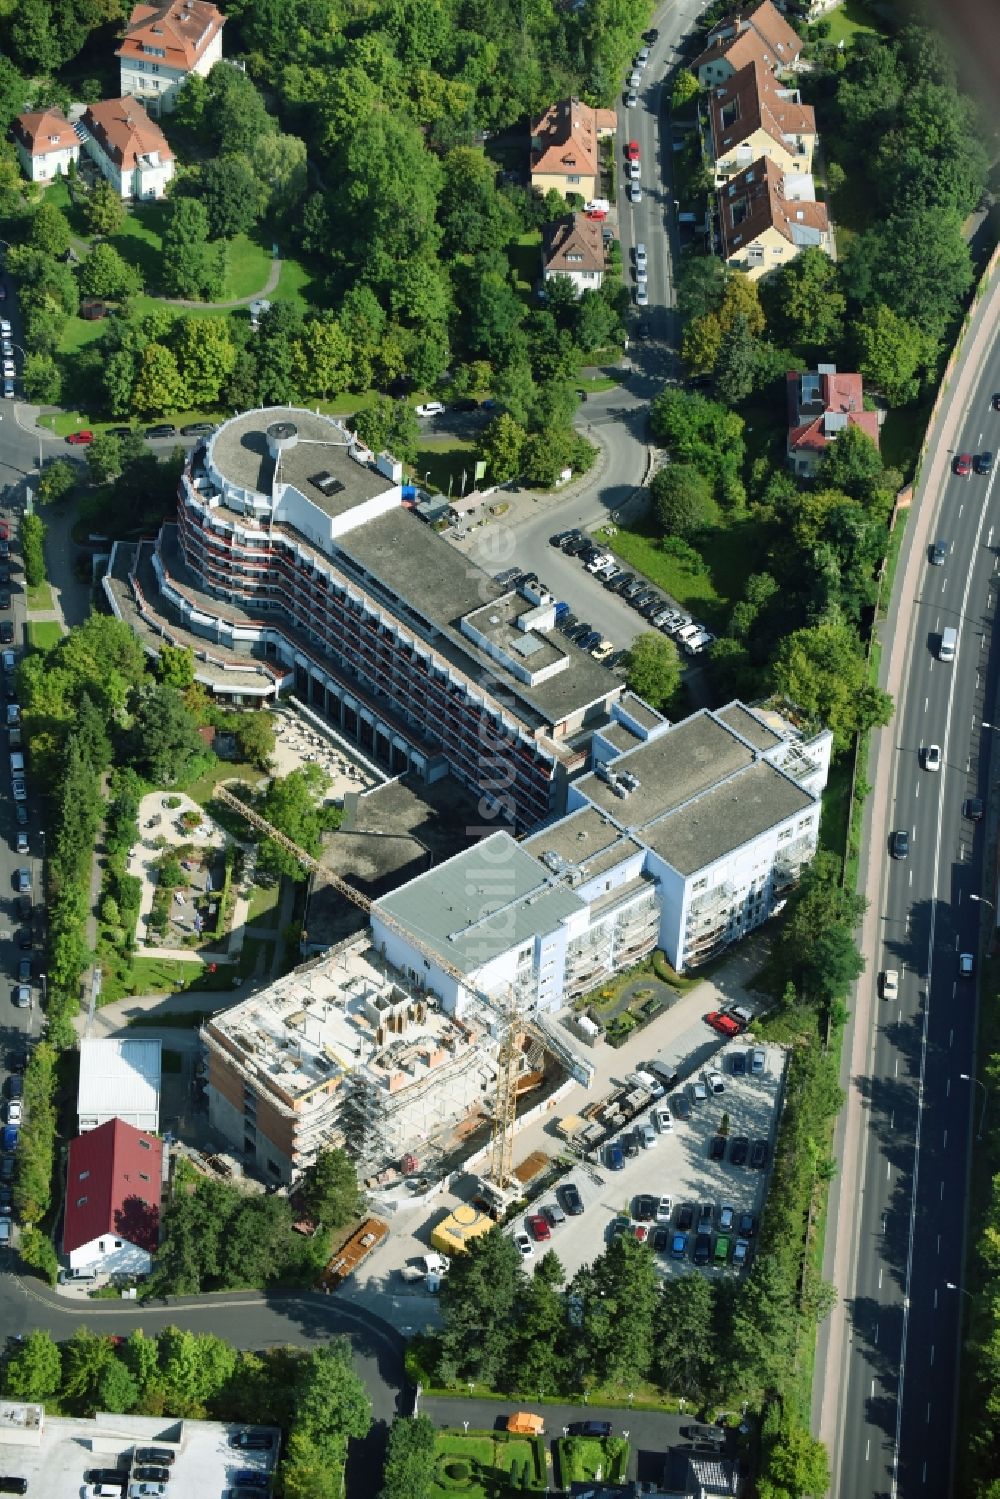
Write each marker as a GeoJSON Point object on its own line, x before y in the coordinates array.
{"type": "Point", "coordinates": [161, 429]}
{"type": "Point", "coordinates": [962, 465]}
{"type": "Point", "coordinates": [632, 152]}
{"type": "Point", "coordinates": [983, 463]}
{"type": "Point", "coordinates": [739, 1149]}
{"type": "Point", "coordinates": [973, 808]}
{"type": "Point", "coordinates": [939, 553]}
{"type": "Point", "coordinates": [966, 965]}
{"type": "Point", "coordinates": [901, 844]}
{"type": "Point", "coordinates": [932, 756]}
{"type": "Point", "coordinates": [890, 984]}
{"type": "Point", "coordinates": [431, 408]}
{"type": "Point", "coordinates": [80, 439]}
{"type": "Point", "coordinates": [996, 401]}
{"type": "Point", "coordinates": [634, 192]}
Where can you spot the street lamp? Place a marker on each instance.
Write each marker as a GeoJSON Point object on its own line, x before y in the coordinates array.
{"type": "Point", "coordinates": [968, 1078]}
{"type": "Point", "coordinates": [982, 901]}
{"type": "Point", "coordinates": [951, 1286]}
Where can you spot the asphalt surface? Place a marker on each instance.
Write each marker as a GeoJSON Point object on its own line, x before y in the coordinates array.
{"type": "Point", "coordinates": [895, 1434]}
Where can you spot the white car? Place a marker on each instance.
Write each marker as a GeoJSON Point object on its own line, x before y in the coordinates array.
{"type": "Point", "coordinates": [649, 1136]}
{"type": "Point", "coordinates": [642, 57]}
{"type": "Point", "coordinates": [20, 790]}
{"type": "Point", "coordinates": [689, 631]}
{"type": "Point", "coordinates": [524, 1245]}
{"type": "Point", "coordinates": [664, 1208]}
{"type": "Point", "coordinates": [695, 644]}
{"type": "Point", "coordinates": [641, 296]}
{"type": "Point", "coordinates": [966, 965]}
{"type": "Point", "coordinates": [431, 408]}
{"type": "Point", "coordinates": [14, 1109]}
{"type": "Point", "coordinates": [715, 1082]}
{"type": "Point", "coordinates": [661, 1118]}
{"type": "Point", "coordinates": [932, 757]}
{"type": "Point", "coordinates": [634, 192]}
{"type": "Point", "coordinates": [147, 1491]}
{"type": "Point", "coordinates": [640, 257]}
{"type": "Point", "coordinates": [21, 996]}
{"type": "Point", "coordinates": [631, 99]}
{"type": "Point", "coordinates": [890, 984]}
{"type": "Point", "coordinates": [634, 78]}
{"type": "Point", "coordinates": [633, 171]}
{"type": "Point", "coordinates": [698, 1091]}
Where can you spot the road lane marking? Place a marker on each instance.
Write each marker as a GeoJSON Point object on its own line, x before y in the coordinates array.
{"type": "Point", "coordinates": [932, 1353]}
{"type": "Point", "coordinates": [868, 1448]}
{"type": "Point", "coordinates": [873, 1390]}
{"type": "Point", "coordinates": [888, 1170]}
{"type": "Point", "coordinates": [926, 701]}
{"type": "Point", "coordinates": [880, 1277]}
{"type": "Point", "coordinates": [946, 1140]}
{"type": "Point", "coordinates": [947, 1088]}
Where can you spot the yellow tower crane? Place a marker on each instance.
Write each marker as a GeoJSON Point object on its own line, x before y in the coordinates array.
{"type": "Point", "coordinates": [513, 1023]}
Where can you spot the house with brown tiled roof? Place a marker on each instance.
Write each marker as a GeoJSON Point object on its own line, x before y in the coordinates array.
{"type": "Point", "coordinates": [758, 33]}
{"type": "Point", "coordinates": [128, 147]}
{"type": "Point", "coordinates": [574, 247]}
{"type": "Point", "coordinates": [753, 115]}
{"type": "Point", "coordinates": [45, 143]}
{"type": "Point", "coordinates": [111, 1219]}
{"type": "Point", "coordinates": [564, 148]}
{"type": "Point", "coordinates": [767, 217]}
{"type": "Point", "coordinates": [821, 404]}
{"type": "Point", "coordinates": [163, 45]}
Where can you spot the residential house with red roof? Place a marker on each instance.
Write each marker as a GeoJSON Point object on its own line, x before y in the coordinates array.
{"type": "Point", "coordinates": [573, 247]}
{"type": "Point", "coordinates": [766, 217]}
{"type": "Point", "coordinates": [163, 45]}
{"type": "Point", "coordinates": [112, 1217]}
{"type": "Point", "coordinates": [45, 143]}
{"type": "Point", "coordinates": [564, 148]}
{"type": "Point", "coordinates": [128, 147]}
{"type": "Point", "coordinates": [821, 405]}
{"type": "Point", "coordinates": [759, 33]}
{"type": "Point", "coordinates": [752, 115]}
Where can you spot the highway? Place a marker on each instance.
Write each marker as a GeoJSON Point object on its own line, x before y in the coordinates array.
{"type": "Point", "coordinates": [904, 1194]}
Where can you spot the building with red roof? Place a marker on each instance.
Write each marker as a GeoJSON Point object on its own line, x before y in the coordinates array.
{"type": "Point", "coordinates": [128, 147]}
{"type": "Point", "coordinates": [113, 1182]}
{"type": "Point", "coordinates": [46, 144]}
{"type": "Point", "coordinates": [821, 404]}
{"type": "Point", "coordinates": [163, 45]}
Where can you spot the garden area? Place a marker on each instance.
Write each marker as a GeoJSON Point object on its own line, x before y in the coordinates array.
{"type": "Point", "coordinates": [489, 1465]}
{"type": "Point", "coordinates": [591, 1460]}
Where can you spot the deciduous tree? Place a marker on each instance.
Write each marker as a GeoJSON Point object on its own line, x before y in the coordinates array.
{"type": "Point", "coordinates": [34, 1372]}
{"type": "Point", "coordinates": [104, 210]}
{"type": "Point", "coordinates": [823, 670]}
{"type": "Point", "coordinates": [411, 1459]}
{"type": "Point", "coordinates": [654, 668]}
{"type": "Point", "coordinates": [683, 499]}
{"type": "Point", "coordinates": [329, 1188]}
{"type": "Point", "coordinates": [894, 354]}
{"type": "Point", "coordinates": [105, 274]}
{"type": "Point", "coordinates": [478, 1297]}
{"type": "Point", "coordinates": [159, 386]}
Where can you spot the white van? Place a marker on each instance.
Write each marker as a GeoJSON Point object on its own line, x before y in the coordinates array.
{"type": "Point", "coordinates": [82, 1277]}
{"type": "Point", "coordinates": [949, 645]}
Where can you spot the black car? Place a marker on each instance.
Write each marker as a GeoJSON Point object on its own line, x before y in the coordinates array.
{"type": "Point", "coordinates": [258, 1441]}
{"type": "Point", "coordinates": [17, 1061]}
{"type": "Point", "coordinates": [982, 463]}
{"type": "Point", "coordinates": [567, 623]}
{"type": "Point", "coordinates": [571, 1199]}
{"type": "Point", "coordinates": [107, 1475]}
{"type": "Point", "coordinates": [464, 403]}
{"type": "Point", "coordinates": [630, 1142]}
{"type": "Point", "coordinates": [6, 632]}
{"type": "Point", "coordinates": [4, 575]}
{"type": "Point", "coordinates": [660, 1238]}
{"type": "Point", "coordinates": [25, 939]}
{"type": "Point", "coordinates": [650, 36]}
{"type": "Point", "coordinates": [973, 808]}
{"type": "Point", "coordinates": [205, 429]}
{"type": "Point", "coordinates": [252, 1478]}
{"type": "Point", "coordinates": [685, 1217]}
{"type": "Point", "coordinates": [900, 844]}
{"type": "Point", "coordinates": [679, 1105]}
{"type": "Point", "coordinates": [645, 1209]}
{"type": "Point", "coordinates": [706, 1218]}
{"type": "Point", "coordinates": [161, 1456]}
{"type": "Point", "coordinates": [590, 1429]}
{"type": "Point", "coordinates": [758, 1154]}
{"type": "Point", "coordinates": [162, 429]}
{"type": "Point", "coordinates": [120, 431]}
{"type": "Point", "coordinates": [717, 1148]}
{"type": "Point", "coordinates": [745, 1226]}
{"type": "Point", "coordinates": [739, 1149]}
{"type": "Point", "coordinates": [24, 907]}
{"type": "Point", "coordinates": [738, 1063]}
{"type": "Point", "coordinates": [575, 547]}
{"type": "Point", "coordinates": [4, 549]}
{"type": "Point", "coordinates": [149, 1474]}
{"type": "Point", "coordinates": [714, 1436]}
{"type": "Point", "coordinates": [623, 581]}
{"type": "Point", "coordinates": [702, 1249]}
{"type": "Point", "coordinates": [4, 600]}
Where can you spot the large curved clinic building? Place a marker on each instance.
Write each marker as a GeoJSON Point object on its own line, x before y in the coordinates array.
{"type": "Point", "coordinates": [296, 563]}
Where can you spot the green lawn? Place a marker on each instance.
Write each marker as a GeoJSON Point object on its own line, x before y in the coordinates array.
{"type": "Point", "coordinates": [264, 902]}
{"type": "Point", "coordinates": [847, 20]}
{"type": "Point", "coordinates": [524, 255]}
{"type": "Point", "coordinates": [441, 462]}
{"type": "Point", "coordinates": [581, 1459]}
{"type": "Point", "coordinates": [730, 553]}
{"type": "Point", "coordinates": [902, 433]}
{"type": "Point", "coordinates": [486, 1458]}
{"type": "Point", "coordinates": [250, 953]}
{"type": "Point", "coordinates": [38, 598]}
{"type": "Point", "coordinates": [43, 633]}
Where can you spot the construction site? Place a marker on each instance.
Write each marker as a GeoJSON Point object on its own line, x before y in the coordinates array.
{"type": "Point", "coordinates": [341, 1052]}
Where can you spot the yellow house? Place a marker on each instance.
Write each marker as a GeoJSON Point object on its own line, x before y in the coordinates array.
{"type": "Point", "coordinates": [760, 33]}
{"type": "Point", "coordinates": [752, 115]}
{"type": "Point", "coordinates": [767, 217]}
{"type": "Point", "coordinates": [564, 149]}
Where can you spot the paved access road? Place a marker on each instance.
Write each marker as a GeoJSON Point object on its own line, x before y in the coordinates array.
{"type": "Point", "coordinates": [903, 1193]}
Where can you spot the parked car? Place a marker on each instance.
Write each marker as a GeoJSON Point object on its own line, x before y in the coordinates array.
{"type": "Point", "coordinates": [600, 1429]}
{"type": "Point", "coordinates": [758, 1154]}
{"type": "Point", "coordinates": [758, 1061]}
{"type": "Point", "coordinates": [678, 1246]}
{"type": "Point", "coordinates": [539, 1227]}
{"type": "Point", "coordinates": [162, 429]}
{"type": "Point", "coordinates": [973, 808]}
{"type": "Point", "coordinates": [741, 1254]}
{"type": "Point", "coordinates": [680, 1105]}
{"type": "Point", "coordinates": [702, 1249]}
{"type": "Point", "coordinates": [615, 1157]}
{"type": "Point", "coordinates": [717, 1148]}
{"type": "Point", "coordinates": [724, 1024]}
{"type": "Point", "coordinates": [715, 1082]}
{"type": "Point", "coordinates": [81, 438]}
{"type": "Point", "coordinates": [162, 1455]}
{"type": "Point", "coordinates": [198, 429]}
{"type": "Point", "coordinates": [431, 408]}
{"type": "Point", "coordinates": [738, 1063]}
{"type": "Point", "coordinates": [739, 1149]}
{"type": "Point", "coordinates": [661, 1118]}
{"type": "Point", "coordinates": [645, 1208]}
{"type": "Point", "coordinates": [256, 1441]}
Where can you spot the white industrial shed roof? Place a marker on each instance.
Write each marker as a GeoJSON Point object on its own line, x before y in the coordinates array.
{"type": "Point", "coordinates": [119, 1080]}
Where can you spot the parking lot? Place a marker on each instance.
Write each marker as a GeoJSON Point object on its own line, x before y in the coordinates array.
{"type": "Point", "coordinates": [677, 1164]}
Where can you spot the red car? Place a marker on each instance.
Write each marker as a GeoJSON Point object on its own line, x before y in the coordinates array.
{"type": "Point", "coordinates": [4, 531]}
{"type": "Point", "coordinates": [724, 1024]}
{"type": "Point", "coordinates": [963, 465]}
{"type": "Point", "coordinates": [640, 1232]}
{"type": "Point", "coordinates": [81, 439]}
{"type": "Point", "coordinates": [632, 151]}
{"type": "Point", "coordinates": [539, 1227]}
